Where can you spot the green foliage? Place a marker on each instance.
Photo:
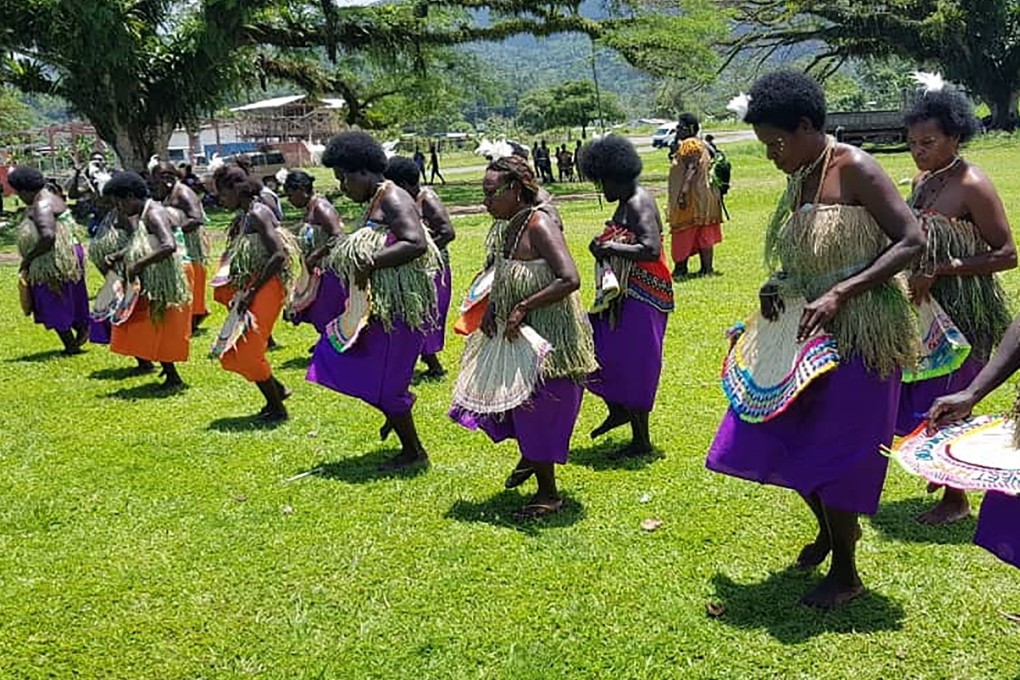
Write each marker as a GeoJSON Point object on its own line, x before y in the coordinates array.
{"type": "Point", "coordinates": [973, 42]}
{"type": "Point", "coordinates": [15, 115]}
{"type": "Point", "coordinates": [571, 104]}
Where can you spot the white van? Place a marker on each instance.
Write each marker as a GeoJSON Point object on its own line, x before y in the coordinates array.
{"type": "Point", "coordinates": [663, 137]}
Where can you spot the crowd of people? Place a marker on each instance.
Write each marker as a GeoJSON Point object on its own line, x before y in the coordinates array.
{"type": "Point", "coordinates": [850, 262]}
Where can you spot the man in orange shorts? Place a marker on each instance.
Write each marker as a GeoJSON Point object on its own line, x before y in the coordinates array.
{"type": "Point", "coordinates": [695, 204]}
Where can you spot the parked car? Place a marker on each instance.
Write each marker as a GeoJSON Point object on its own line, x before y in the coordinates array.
{"type": "Point", "coordinates": [664, 136]}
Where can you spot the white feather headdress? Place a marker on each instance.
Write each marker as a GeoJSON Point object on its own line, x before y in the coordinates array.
{"type": "Point", "coordinates": [932, 82]}
{"type": "Point", "coordinates": [153, 163]}
{"type": "Point", "coordinates": [739, 105]}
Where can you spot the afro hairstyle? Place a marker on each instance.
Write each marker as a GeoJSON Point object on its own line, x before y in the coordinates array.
{"type": "Point", "coordinates": [298, 180]}
{"type": "Point", "coordinates": [612, 158]}
{"type": "Point", "coordinates": [232, 176]}
{"type": "Point", "coordinates": [403, 171]}
{"type": "Point", "coordinates": [690, 121]}
{"type": "Point", "coordinates": [950, 108]}
{"type": "Point", "coordinates": [353, 151]}
{"type": "Point", "coordinates": [24, 178]}
{"type": "Point", "coordinates": [783, 98]}
{"type": "Point", "coordinates": [126, 185]}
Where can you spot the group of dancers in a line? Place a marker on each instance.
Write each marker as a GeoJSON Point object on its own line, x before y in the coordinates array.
{"type": "Point", "coordinates": [838, 246]}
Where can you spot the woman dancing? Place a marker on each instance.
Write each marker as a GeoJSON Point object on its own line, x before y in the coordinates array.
{"type": "Point", "coordinates": [52, 261]}
{"type": "Point", "coordinates": [320, 230]}
{"type": "Point", "coordinates": [630, 327]}
{"type": "Point", "coordinates": [392, 257]}
{"type": "Point", "coordinates": [159, 328]}
{"type": "Point", "coordinates": [261, 267]}
{"type": "Point", "coordinates": [838, 239]}
{"type": "Point", "coordinates": [969, 240]}
{"type": "Point", "coordinates": [535, 284]}
{"type": "Point", "coordinates": [404, 173]}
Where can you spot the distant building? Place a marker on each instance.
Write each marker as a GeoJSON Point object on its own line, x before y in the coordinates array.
{"type": "Point", "coordinates": [294, 118]}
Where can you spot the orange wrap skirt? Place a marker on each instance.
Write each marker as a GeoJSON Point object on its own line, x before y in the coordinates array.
{"type": "Point", "coordinates": [167, 340]}
{"type": "Point", "coordinates": [196, 279]}
{"type": "Point", "coordinates": [248, 357]}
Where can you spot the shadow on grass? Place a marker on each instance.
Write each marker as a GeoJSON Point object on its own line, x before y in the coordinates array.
{"type": "Point", "coordinates": [243, 424]}
{"type": "Point", "coordinates": [601, 456]}
{"type": "Point", "coordinates": [297, 363]}
{"type": "Point", "coordinates": [366, 468]}
{"type": "Point", "coordinates": [897, 521]}
{"type": "Point", "coordinates": [498, 511]}
{"type": "Point", "coordinates": [423, 378]}
{"type": "Point", "coordinates": [773, 605]}
{"type": "Point", "coordinates": [117, 373]}
{"type": "Point", "coordinates": [40, 357]}
{"type": "Point", "coordinates": [153, 390]}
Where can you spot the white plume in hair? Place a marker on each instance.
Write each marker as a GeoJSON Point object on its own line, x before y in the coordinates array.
{"type": "Point", "coordinates": [153, 162]}
{"type": "Point", "coordinates": [494, 150]}
{"type": "Point", "coordinates": [739, 105]}
{"type": "Point", "coordinates": [216, 163]}
{"type": "Point", "coordinates": [281, 175]}
{"type": "Point", "coordinates": [932, 82]}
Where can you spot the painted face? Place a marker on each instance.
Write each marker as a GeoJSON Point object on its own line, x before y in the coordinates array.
{"type": "Point", "coordinates": [499, 196]}
{"type": "Point", "coordinates": [930, 147]}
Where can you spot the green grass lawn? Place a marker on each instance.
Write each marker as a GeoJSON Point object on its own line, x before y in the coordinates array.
{"type": "Point", "coordinates": [165, 538]}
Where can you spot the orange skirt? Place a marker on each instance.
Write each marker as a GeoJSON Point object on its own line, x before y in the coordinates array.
{"type": "Point", "coordinates": [223, 294]}
{"type": "Point", "coordinates": [248, 357]}
{"type": "Point", "coordinates": [141, 337]}
{"type": "Point", "coordinates": [196, 279]}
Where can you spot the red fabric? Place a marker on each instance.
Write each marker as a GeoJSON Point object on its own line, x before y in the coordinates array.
{"type": "Point", "coordinates": [689, 241]}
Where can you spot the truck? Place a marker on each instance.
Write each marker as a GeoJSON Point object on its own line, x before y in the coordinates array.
{"type": "Point", "coordinates": [867, 127]}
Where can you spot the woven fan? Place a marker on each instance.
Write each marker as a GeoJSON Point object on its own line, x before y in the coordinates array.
{"type": "Point", "coordinates": [222, 275]}
{"type": "Point", "coordinates": [234, 328]}
{"type": "Point", "coordinates": [472, 309]}
{"type": "Point", "coordinates": [126, 295]}
{"type": "Point", "coordinates": [977, 454]}
{"type": "Point", "coordinates": [343, 331]}
{"type": "Point", "coordinates": [496, 374]}
{"type": "Point", "coordinates": [106, 299]}
{"type": "Point", "coordinates": [766, 369]}
{"type": "Point", "coordinates": [306, 289]}
{"type": "Point", "coordinates": [943, 347]}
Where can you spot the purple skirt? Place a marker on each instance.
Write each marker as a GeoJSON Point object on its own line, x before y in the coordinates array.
{"type": "Point", "coordinates": [329, 303]}
{"type": "Point", "coordinates": [917, 397]}
{"type": "Point", "coordinates": [827, 442]}
{"type": "Point", "coordinates": [100, 332]}
{"type": "Point", "coordinates": [998, 529]}
{"type": "Point", "coordinates": [629, 356]}
{"type": "Point", "coordinates": [435, 339]}
{"type": "Point", "coordinates": [65, 308]}
{"type": "Point", "coordinates": [378, 369]}
{"type": "Point", "coordinates": [542, 427]}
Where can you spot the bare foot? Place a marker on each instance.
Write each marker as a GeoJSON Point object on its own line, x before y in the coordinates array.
{"type": "Point", "coordinates": [537, 508]}
{"type": "Point", "coordinates": [405, 460]}
{"type": "Point", "coordinates": [616, 418]}
{"type": "Point", "coordinates": [953, 507]}
{"type": "Point", "coordinates": [813, 554]}
{"type": "Point", "coordinates": [833, 592]}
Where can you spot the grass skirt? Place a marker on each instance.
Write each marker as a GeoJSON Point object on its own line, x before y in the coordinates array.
{"type": "Point", "coordinates": [917, 397]}
{"type": "Point", "coordinates": [630, 355]}
{"type": "Point", "coordinates": [542, 426]}
{"type": "Point", "coordinates": [828, 442]}
{"type": "Point", "coordinates": [329, 303]}
{"type": "Point", "coordinates": [435, 339]}
{"type": "Point", "coordinates": [66, 307]}
{"type": "Point", "coordinates": [378, 369]}
{"type": "Point", "coordinates": [998, 530]}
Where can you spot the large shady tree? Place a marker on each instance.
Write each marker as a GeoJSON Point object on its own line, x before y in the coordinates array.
{"type": "Point", "coordinates": [973, 42]}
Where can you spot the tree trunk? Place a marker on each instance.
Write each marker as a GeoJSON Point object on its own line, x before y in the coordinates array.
{"type": "Point", "coordinates": [1004, 110]}
{"type": "Point", "coordinates": [135, 146]}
